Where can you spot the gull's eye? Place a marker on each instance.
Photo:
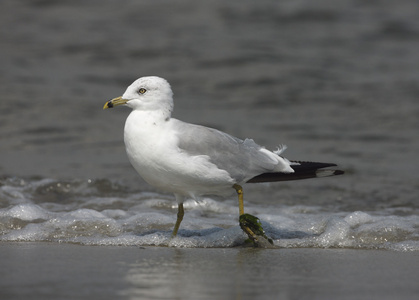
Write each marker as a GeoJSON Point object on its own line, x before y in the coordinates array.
{"type": "Point", "coordinates": [142, 91]}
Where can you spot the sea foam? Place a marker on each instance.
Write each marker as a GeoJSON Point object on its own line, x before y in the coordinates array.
{"type": "Point", "coordinates": [80, 212]}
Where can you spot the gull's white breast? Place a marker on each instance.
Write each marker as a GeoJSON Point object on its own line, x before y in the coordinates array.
{"type": "Point", "coordinates": [152, 148]}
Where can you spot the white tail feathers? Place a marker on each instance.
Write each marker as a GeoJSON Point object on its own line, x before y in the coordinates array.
{"type": "Point", "coordinates": [281, 148]}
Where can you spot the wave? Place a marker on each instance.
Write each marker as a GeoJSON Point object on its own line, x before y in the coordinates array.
{"type": "Point", "coordinates": [102, 212]}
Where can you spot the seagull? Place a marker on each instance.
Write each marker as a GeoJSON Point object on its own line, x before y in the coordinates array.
{"type": "Point", "coordinates": [193, 161]}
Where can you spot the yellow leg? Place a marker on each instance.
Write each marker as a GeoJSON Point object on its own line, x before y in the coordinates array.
{"type": "Point", "coordinates": [252, 225]}
{"type": "Point", "coordinates": [239, 191]}
{"type": "Point", "coordinates": [179, 219]}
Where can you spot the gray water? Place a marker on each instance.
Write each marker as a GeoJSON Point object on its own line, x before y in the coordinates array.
{"type": "Point", "coordinates": [179, 273]}
{"type": "Point", "coordinates": [335, 82]}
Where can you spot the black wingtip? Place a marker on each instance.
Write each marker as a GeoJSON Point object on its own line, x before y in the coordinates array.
{"type": "Point", "coordinates": [339, 172]}
{"type": "Point", "coordinates": [328, 172]}
{"type": "Point", "coordinates": [302, 170]}
{"type": "Point", "coordinates": [310, 165]}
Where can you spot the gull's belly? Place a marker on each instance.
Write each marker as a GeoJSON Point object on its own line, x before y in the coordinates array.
{"type": "Point", "coordinates": [188, 176]}
{"type": "Point", "coordinates": [163, 165]}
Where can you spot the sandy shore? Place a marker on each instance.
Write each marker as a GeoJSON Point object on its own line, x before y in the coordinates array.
{"type": "Point", "coordinates": [64, 271]}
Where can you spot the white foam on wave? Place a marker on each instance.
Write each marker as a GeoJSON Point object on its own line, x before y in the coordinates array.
{"type": "Point", "coordinates": [26, 212]}
{"type": "Point", "coordinates": [145, 219]}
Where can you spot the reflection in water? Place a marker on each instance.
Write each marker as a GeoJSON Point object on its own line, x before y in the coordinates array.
{"type": "Point", "coordinates": [247, 273]}
{"type": "Point", "coordinates": [239, 273]}
{"type": "Point", "coordinates": [187, 273]}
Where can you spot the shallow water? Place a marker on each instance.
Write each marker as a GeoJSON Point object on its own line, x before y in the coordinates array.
{"type": "Point", "coordinates": [333, 83]}
{"type": "Point", "coordinates": [104, 213]}
{"type": "Point", "coordinates": [63, 271]}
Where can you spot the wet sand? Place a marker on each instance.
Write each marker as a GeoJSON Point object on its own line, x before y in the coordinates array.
{"type": "Point", "coordinates": [65, 271]}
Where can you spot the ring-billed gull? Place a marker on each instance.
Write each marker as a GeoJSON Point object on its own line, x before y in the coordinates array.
{"type": "Point", "coordinates": [192, 161]}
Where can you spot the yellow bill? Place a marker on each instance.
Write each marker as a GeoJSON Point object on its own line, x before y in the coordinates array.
{"type": "Point", "coordinates": [115, 102]}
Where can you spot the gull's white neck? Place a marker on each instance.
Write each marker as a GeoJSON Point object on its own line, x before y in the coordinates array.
{"type": "Point", "coordinates": [146, 131]}
{"type": "Point", "coordinates": [145, 125]}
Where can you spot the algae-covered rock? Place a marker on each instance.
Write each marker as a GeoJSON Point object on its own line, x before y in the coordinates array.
{"type": "Point", "coordinates": [252, 226]}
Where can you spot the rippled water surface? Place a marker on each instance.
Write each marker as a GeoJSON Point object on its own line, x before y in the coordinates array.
{"type": "Point", "coordinates": [335, 83]}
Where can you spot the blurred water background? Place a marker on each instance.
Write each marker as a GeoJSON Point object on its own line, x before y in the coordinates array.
{"type": "Point", "coordinates": [335, 82]}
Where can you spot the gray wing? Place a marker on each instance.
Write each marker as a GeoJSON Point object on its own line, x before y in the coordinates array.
{"type": "Point", "coordinates": [241, 159]}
